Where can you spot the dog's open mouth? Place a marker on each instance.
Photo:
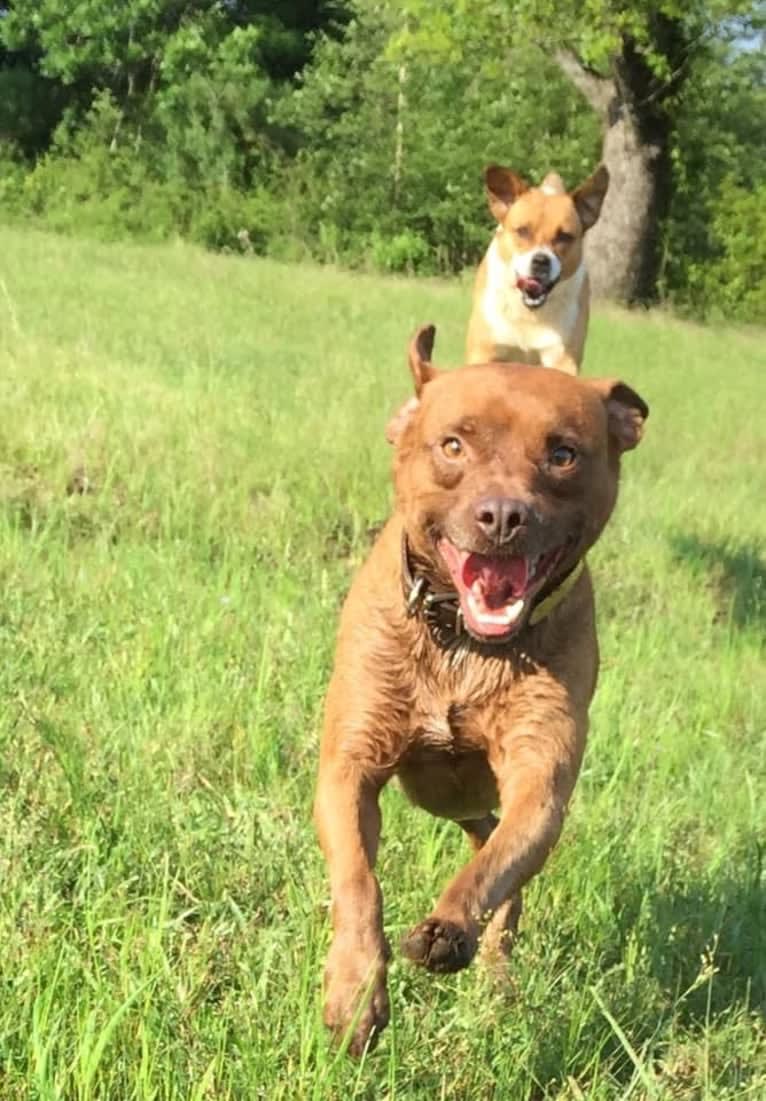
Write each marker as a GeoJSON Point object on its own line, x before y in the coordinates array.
{"type": "Point", "coordinates": [534, 292]}
{"type": "Point", "coordinates": [496, 591]}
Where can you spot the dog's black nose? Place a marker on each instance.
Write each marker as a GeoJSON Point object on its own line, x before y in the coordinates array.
{"type": "Point", "coordinates": [540, 267]}
{"type": "Point", "coordinates": [500, 517]}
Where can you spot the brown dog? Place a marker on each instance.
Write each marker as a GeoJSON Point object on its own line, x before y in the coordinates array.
{"type": "Point", "coordinates": [467, 655]}
{"type": "Point", "coordinates": [532, 298]}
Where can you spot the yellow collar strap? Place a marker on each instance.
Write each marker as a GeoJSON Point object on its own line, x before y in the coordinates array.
{"type": "Point", "coordinates": [552, 600]}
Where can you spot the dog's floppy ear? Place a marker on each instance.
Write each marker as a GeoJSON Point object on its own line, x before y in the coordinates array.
{"type": "Point", "coordinates": [401, 419]}
{"type": "Point", "coordinates": [625, 409]}
{"type": "Point", "coordinates": [589, 196]}
{"type": "Point", "coordinates": [503, 189]}
{"type": "Point", "coordinates": [420, 352]}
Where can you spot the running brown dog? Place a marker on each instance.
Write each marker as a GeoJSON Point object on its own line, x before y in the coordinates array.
{"type": "Point", "coordinates": [467, 656]}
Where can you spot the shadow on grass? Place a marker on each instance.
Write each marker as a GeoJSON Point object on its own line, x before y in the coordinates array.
{"type": "Point", "coordinates": [737, 577]}
{"type": "Point", "coordinates": [684, 957]}
{"type": "Point", "coordinates": [707, 945]}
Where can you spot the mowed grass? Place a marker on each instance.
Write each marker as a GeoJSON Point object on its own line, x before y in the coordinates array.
{"type": "Point", "coordinates": [191, 455]}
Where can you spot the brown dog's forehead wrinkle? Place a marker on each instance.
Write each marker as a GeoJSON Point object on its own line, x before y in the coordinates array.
{"type": "Point", "coordinates": [493, 401]}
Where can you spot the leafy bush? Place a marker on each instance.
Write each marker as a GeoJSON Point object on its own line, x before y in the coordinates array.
{"type": "Point", "coordinates": [402, 252]}
{"type": "Point", "coordinates": [719, 160]}
{"type": "Point", "coordinates": [226, 218]}
{"type": "Point", "coordinates": [92, 183]}
{"type": "Point", "coordinates": [12, 176]}
{"type": "Point", "coordinates": [734, 286]}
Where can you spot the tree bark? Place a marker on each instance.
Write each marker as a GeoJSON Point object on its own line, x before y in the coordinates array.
{"type": "Point", "coordinates": [623, 248]}
{"type": "Point", "coordinates": [401, 107]}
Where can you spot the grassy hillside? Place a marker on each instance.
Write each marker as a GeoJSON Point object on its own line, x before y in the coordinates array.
{"type": "Point", "coordinates": [191, 454]}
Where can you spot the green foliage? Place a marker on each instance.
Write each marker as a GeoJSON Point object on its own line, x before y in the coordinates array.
{"type": "Point", "coordinates": [718, 152]}
{"type": "Point", "coordinates": [95, 182]}
{"type": "Point", "coordinates": [210, 108]}
{"type": "Point", "coordinates": [355, 106]}
{"type": "Point", "coordinates": [12, 176]}
{"type": "Point", "coordinates": [734, 284]}
{"type": "Point", "coordinates": [595, 30]}
{"type": "Point", "coordinates": [29, 107]}
{"type": "Point", "coordinates": [89, 182]}
{"type": "Point", "coordinates": [224, 218]}
{"type": "Point", "coordinates": [406, 251]}
{"type": "Point", "coordinates": [123, 46]}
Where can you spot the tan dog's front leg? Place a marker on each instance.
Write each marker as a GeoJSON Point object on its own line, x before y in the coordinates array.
{"type": "Point", "coordinates": [569, 364]}
{"type": "Point", "coordinates": [348, 821]}
{"type": "Point", "coordinates": [561, 359]}
{"type": "Point", "coordinates": [533, 807]}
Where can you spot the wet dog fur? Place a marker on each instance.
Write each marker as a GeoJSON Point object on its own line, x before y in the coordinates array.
{"type": "Point", "coordinates": [483, 721]}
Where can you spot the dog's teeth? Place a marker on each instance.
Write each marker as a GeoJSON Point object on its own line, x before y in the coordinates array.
{"type": "Point", "coordinates": [506, 617]}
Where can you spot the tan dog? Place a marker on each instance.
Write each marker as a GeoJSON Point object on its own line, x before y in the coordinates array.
{"type": "Point", "coordinates": [532, 298]}
{"type": "Point", "coordinates": [467, 655]}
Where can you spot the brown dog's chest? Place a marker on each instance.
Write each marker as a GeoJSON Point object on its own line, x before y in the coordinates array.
{"type": "Point", "coordinates": [445, 768]}
{"type": "Point", "coordinates": [445, 727]}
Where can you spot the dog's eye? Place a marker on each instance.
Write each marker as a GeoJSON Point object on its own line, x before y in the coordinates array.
{"type": "Point", "coordinates": [524, 232]}
{"type": "Point", "coordinates": [563, 456]}
{"type": "Point", "coordinates": [563, 238]}
{"type": "Point", "coordinates": [452, 447]}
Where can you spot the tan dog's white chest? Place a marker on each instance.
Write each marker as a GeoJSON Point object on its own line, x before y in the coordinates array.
{"type": "Point", "coordinates": [545, 331]}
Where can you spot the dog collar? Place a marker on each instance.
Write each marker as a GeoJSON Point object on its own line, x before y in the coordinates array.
{"type": "Point", "coordinates": [441, 610]}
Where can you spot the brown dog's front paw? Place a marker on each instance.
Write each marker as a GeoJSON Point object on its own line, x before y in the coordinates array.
{"type": "Point", "coordinates": [440, 946]}
{"type": "Point", "coordinates": [356, 1003]}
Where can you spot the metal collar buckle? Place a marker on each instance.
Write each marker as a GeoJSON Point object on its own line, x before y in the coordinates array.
{"type": "Point", "coordinates": [415, 596]}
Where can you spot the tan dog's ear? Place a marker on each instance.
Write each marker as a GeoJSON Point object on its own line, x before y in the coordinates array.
{"type": "Point", "coordinates": [420, 352]}
{"type": "Point", "coordinates": [626, 411]}
{"type": "Point", "coordinates": [553, 184]}
{"type": "Point", "coordinates": [503, 189]}
{"type": "Point", "coordinates": [589, 196]}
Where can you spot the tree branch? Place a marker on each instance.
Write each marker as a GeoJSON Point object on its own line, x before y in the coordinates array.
{"type": "Point", "coordinates": [598, 90]}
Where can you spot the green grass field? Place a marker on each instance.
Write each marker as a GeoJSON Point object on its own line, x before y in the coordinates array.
{"type": "Point", "coordinates": [191, 455]}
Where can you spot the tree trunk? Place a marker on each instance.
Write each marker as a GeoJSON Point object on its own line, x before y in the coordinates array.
{"type": "Point", "coordinates": [623, 248]}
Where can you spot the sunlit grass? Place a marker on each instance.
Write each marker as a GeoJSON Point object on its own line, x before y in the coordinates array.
{"type": "Point", "coordinates": [191, 455]}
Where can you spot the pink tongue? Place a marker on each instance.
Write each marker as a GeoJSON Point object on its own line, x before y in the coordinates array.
{"type": "Point", "coordinates": [500, 579]}
{"type": "Point", "coordinates": [532, 286]}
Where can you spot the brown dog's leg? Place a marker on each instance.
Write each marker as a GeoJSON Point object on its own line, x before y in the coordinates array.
{"type": "Point", "coordinates": [533, 814]}
{"type": "Point", "coordinates": [499, 935]}
{"type": "Point", "coordinates": [478, 830]}
{"type": "Point", "coordinates": [348, 821]}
